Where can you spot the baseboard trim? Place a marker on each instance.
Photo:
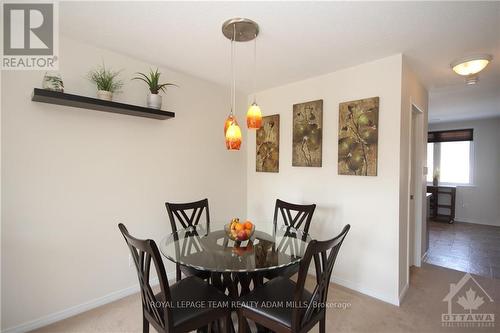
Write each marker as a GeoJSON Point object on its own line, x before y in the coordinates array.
{"type": "Point", "coordinates": [403, 293]}
{"type": "Point", "coordinates": [359, 288]}
{"type": "Point", "coordinates": [466, 220]}
{"type": "Point", "coordinates": [369, 292]}
{"type": "Point", "coordinates": [424, 256]}
{"type": "Point", "coordinates": [77, 309]}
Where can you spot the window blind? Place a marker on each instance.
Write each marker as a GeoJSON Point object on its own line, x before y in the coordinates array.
{"type": "Point", "coordinates": [451, 135]}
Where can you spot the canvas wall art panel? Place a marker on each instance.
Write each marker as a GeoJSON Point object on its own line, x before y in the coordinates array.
{"type": "Point", "coordinates": [268, 145]}
{"type": "Point", "coordinates": [358, 137]}
{"type": "Point", "coordinates": [307, 134]}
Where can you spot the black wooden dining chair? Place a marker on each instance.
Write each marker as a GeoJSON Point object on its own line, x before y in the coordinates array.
{"type": "Point", "coordinates": [308, 308]}
{"type": "Point", "coordinates": [296, 216]}
{"type": "Point", "coordinates": [165, 310]}
{"type": "Point", "coordinates": [184, 215]}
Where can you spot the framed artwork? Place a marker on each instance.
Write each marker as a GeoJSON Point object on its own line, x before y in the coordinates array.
{"type": "Point", "coordinates": [307, 134]}
{"type": "Point", "coordinates": [267, 158]}
{"type": "Point", "coordinates": [358, 137]}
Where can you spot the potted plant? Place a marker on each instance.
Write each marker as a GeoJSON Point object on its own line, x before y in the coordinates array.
{"type": "Point", "coordinates": [107, 82]}
{"type": "Point", "coordinates": [153, 81]}
{"type": "Point", "coordinates": [53, 81]}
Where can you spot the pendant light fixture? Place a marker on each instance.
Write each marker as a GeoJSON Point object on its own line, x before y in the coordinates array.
{"type": "Point", "coordinates": [236, 30]}
{"type": "Point", "coordinates": [232, 130]}
{"type": "Point", "coordinates": [254, 114]}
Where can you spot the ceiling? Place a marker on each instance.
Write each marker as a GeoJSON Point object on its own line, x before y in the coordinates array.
{"type": "Point", "coordinates": [456, 103]}
{"type": "Point", "coordinates": [299, 40]}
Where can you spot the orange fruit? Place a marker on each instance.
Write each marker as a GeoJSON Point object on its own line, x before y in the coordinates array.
{"type": "Point", "coordinates": [238, 226]}
{"type": "Point", "coordinates": [248, 225]}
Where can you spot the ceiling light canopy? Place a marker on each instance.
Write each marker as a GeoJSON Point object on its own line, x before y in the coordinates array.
{"type": "Point", "coordinates": [471, 65]}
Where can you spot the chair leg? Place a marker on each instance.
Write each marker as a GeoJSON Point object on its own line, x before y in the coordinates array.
{"type": "Point", "coordinates": [145, 325]}
{"type": "Point", "coordinates": [242, 327]}
{"type": "Point", "coordinates": [322, 324]}
{"type": "Point", "coordinates": [178, 272]}
{"type": "Point", "coordinates": [228, 323]}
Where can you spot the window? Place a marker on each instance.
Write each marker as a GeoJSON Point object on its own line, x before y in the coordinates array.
{"type": "Point", "coordinates": [449, 154]}
{"type": "Point", "coordinates": [454, 164]}
{"type": "Point", "coordinates": [430, 161]}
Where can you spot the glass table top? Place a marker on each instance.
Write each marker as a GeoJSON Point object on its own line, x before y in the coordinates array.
{"type": "Point", "coordinates": [212, 250]}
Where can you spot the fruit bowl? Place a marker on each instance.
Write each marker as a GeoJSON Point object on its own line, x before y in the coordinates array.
{"type": "Point", "coordinates": [239, 231]}
{"type": "Point", "coordinates": [241, 251]}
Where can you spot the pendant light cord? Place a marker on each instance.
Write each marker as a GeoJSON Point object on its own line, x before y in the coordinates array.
{"type": "Point", "coordinates": [233, 71]}
{"type": "Point", "coordinates": [231, 83]}
{"type": "Point", "coordinates": [255, 70]}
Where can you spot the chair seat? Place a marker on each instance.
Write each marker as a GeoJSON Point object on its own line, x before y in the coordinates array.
{"type": "Point", "coordinates": [190, 271]}
{"type": "Point", "coordinates": [287, 271]}
{"type": "Point", "coordinates": [277, 291]}
{"type": "Point", "coordinates": [193, 290]}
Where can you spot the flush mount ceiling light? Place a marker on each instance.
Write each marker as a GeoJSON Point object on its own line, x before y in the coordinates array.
{"type": "Point", "coordinates": [471, 66]}
{"type": "Point", "coordinates": [239, 30]}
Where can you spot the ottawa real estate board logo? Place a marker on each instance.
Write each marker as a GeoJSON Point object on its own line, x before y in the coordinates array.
{"type": "Point", "coordinates": [469, 305]}
{"type": "Point", "coordinates": [30, 36]}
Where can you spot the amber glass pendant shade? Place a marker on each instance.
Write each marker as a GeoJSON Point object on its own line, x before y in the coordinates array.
{"type": "Point", "coordinates": [228, 122]}
{"type": "Point", "coordinates": [233, 136]}
{"type": "Point", "coordinates": [254, 116]}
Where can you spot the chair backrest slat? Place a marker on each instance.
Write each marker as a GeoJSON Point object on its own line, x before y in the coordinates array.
{"type": "Point", "coordinates": [143, 252]}
{"type": "Point", "coordinates": [180, 216]}
{"type": "Point", "coordinates": [294, 215]}
{"type": "Point", "coordinates": [324, 254]}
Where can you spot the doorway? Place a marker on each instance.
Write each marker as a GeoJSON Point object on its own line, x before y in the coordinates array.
{"type": "Point", "coordinates": [417, 224]}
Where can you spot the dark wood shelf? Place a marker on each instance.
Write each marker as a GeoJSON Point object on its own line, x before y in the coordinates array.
{"type": "Point", "coordinates": [59, 98]}
{"type": "Point", "coordinates": [435, 203]}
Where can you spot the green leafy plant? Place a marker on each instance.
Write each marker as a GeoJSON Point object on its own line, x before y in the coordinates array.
{"type": "Point", "coordinates": [55, 80]}
{"type": "Point", "coordinates": [106, 79]}
{"type": "Point", "coordinates": [153, 81]}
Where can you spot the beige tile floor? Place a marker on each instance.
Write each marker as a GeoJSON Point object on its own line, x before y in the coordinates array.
{"type": "Point", "coordinates": [466, 247]}
{"type": "Point", "coordinates": [420, 311]}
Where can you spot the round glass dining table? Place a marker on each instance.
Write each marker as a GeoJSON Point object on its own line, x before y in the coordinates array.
{"type": "Point", "coordinates": [234, 265]}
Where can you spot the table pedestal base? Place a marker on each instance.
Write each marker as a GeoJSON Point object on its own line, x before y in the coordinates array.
{"type": "Point", "coordinates": [237, 285]}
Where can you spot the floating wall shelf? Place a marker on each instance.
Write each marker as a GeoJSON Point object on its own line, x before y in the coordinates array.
{"type": "Point", "coordinates": [55, 97]}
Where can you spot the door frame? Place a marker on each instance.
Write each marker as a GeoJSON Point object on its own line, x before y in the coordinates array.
{"type": "Point", "coordinates": [417, 163]}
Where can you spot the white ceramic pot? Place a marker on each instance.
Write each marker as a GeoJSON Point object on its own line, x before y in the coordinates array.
{"type": "Point", "coordinates": [105, 95]}
{"type": "Point", "coordinates": [154, 101]}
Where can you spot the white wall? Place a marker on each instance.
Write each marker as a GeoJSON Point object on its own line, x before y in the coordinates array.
{"type": "Point", "coordinates": [368, 261]}
{"type": "Point", "coordinates": [479, 203]}
{"type": "Point", "coordinates": [70, 175]}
